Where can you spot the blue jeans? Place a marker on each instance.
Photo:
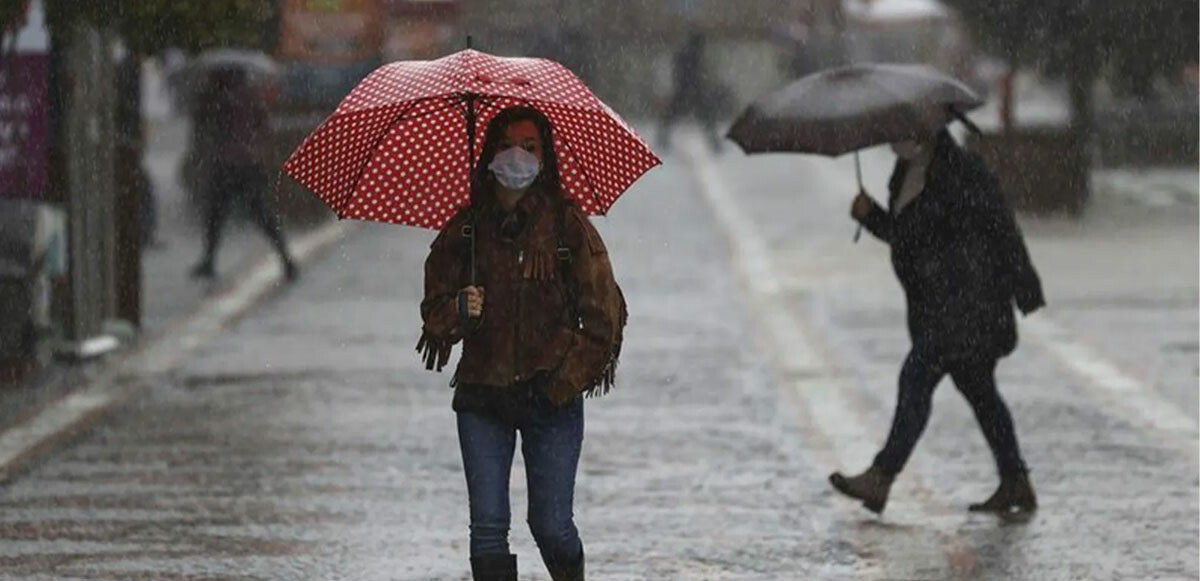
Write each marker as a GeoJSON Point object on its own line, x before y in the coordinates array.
{"type": "Point", "coordinates": [551, 439]}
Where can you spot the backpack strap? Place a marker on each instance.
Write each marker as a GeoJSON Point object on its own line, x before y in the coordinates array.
{"type": "Point", "coordinates": [468, 234]}
{"type": "Point", "coordinates": [565, 258]}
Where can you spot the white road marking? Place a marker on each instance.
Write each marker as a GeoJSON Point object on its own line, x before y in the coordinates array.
{"type": "Point", "coordinates": [792, 349]}
{"type": "Point", "coordinates": [1152, 409]}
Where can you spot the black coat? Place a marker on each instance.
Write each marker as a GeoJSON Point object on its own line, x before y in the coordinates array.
{"type": "Point", "coordinates": [960, 257]}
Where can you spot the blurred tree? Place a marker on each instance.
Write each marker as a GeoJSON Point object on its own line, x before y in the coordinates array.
{"type": "Point", "coordinates": [149, 26]}
{"type": "Point", "coordinates": [1130, 43]}
{"type": "Point", "coordinates": [10, 12]}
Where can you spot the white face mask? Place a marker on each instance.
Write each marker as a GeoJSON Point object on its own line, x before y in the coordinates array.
{"type": "Point", "coordinates": [907, 149]}
{"type": "Point", "coordinates": [515, 168]}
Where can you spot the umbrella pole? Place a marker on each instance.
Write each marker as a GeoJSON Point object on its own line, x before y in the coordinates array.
{"type": "Point", "coordinates": [471, 115]}
{"type": "Point", "coordinates": [858, 173]}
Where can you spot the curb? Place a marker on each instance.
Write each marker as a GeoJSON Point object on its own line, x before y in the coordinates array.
{"type": "Point", "coordinates": [125, 378]}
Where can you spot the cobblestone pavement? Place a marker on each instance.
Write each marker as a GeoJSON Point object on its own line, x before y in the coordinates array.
{"type": "Point", "coordinates": [307, 443]}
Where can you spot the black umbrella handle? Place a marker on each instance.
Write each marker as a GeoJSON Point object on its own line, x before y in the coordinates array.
{"type": "Point", "coordinates": [466, 323]}
{"type": "Point", "coordinates": [858, 174]}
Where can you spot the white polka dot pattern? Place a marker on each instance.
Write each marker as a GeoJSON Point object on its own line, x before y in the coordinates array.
{"type": "Point", "coordinates": [395, 148]}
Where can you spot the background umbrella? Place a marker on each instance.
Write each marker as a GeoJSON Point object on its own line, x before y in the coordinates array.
{"type": "Point", "coordinates": [850, 108]}
{"type": "Point", "coordinates": [260, 68]}
{"type": "Point", "coordinates": [252, 61]}
{"type": "Point", "coordinates": [401, 147]}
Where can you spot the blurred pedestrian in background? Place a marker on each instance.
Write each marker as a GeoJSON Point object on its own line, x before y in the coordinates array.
{"type": "Point", "coordinates": [231, 128]}
{"type": "Point", "coordinates": [962, 262]}
{"type": "Point", "coordinates": [693, 94]}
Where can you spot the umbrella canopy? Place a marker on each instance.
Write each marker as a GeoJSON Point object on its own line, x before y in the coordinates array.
{"type": "Point", "coordinates": [260, 69]}
{"type": "Point", "coordinates": [849, 108]}
{"type": "Point", "coordinates": [253, 62]}
{"type": "Point", "coordinates": [400, 147]}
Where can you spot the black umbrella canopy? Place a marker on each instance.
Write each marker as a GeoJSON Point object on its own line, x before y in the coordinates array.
{"type": "Point", "coordinates": [849, 108]}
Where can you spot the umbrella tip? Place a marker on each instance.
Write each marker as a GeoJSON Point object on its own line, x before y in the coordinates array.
{"type": "Point", "coordinates": [469, 42]}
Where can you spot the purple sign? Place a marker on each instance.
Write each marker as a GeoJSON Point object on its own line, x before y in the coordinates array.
{"type": "Point", "coordinates": [24, 113]}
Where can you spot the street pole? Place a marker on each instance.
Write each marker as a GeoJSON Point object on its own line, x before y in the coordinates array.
{"type": "Point", "coordinates": [129, 183]}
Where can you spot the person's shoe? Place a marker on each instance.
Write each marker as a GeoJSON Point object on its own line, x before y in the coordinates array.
{"type": "Point", "coordinates": [290, 271]}
{"type": "Point", "coordinates": [1014, 496]}
{"type": "Point", "coordinates": [494, 568]}
{"type": "Point", "coordinates": [203, 270]}
{"type": "Point", "coordinates": [871, 487]}
{"type": "Point", "coordinates": [572, 572]}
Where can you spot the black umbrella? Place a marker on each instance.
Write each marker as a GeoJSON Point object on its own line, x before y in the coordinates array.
{"type": "Point", "coordinates": [845, 109]}
{"type": "Point", "coordinates": [849, 108]}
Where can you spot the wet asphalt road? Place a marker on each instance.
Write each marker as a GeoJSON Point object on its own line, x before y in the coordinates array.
{"type": "Point", "coordinates": [308, 443]}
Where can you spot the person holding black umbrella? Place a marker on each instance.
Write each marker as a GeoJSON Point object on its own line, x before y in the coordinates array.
{"type": "Point", "coordinates": [962, 262]}
{"type": "Point", "coordinates": [955, 245]}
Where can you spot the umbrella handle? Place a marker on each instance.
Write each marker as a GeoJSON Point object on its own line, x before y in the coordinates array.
{"type": "Point", "coordinates": [858, 173]}
{"type": "Point", "coordinates": [858, 170]}
{"type": "Point", "coordinates": [466, 323]}
{"type": "Point", "coordinates": [464, 313]}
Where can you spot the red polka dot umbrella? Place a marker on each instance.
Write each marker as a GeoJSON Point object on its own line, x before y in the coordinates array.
{"type": "Point", "coordinates": [395, 150]}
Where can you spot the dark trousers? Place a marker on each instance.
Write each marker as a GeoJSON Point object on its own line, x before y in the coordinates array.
{"type": "Point", "coordinates": [229, 183]}
{"type": "Point", "coordinates": [685, 103]}
{"type": "Point", "coordinates": [976, 381]}
{"type": "Point", "coordinates": [551, 439]}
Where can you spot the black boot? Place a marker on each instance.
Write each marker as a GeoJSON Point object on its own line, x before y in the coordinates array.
{"type": "Point", "coordinates": [204, 269]}
{"type": "Point", "coordinates": [1014, 496]}
{"type": "Point", "coordinates": [571, 572]}
{"type": "Point", "coordinates": [494, 568]}
{"type": "Point", "coordinates": [291, 272]}
{"type": "Point", "coordinates": [871, 487]}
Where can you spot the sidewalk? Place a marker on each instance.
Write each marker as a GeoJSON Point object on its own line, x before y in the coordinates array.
{"type": "Point", "coordinates": [168, 293]}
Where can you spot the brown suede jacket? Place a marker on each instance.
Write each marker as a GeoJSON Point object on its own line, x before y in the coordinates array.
{"type": "Point", "coordinates": [530, 324]}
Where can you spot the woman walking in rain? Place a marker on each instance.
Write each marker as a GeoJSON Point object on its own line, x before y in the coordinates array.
{"type": "Point", "coordinates": [962, 262]}
{"type": "Point", "coordinates": [541, 329]}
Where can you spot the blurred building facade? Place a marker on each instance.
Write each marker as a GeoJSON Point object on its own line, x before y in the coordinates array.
{"type": "Point", "coordinates": [623, 48]}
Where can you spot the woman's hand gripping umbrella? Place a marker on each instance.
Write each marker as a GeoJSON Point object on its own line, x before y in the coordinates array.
{"type": "Point", "coordinates": [955, 246]}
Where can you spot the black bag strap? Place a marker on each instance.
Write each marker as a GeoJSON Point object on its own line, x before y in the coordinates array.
{"type": "Point", "coordinates": [468, 234]}
{"type": "Point", "coordinates": [565, 258]}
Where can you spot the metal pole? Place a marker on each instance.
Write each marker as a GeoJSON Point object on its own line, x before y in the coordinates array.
{"type": "Point", "coordinates": [471, 116]}
{"type": "Point", "coordinates": [471, 172]}
{"type": "Point", "coordinates": [858, 173]}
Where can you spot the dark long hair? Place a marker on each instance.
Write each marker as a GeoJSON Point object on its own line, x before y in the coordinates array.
{"type": "Point", "coordinates": [548, 181]}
